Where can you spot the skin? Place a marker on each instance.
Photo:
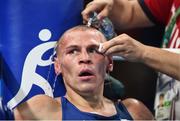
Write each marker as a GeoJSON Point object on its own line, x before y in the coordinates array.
{"type": "Point", "coordinates": [77, 53]}
{"type": "Point", "coordinates": [132, 16]}
{"type": "Point", "coordinates": [136, 108]}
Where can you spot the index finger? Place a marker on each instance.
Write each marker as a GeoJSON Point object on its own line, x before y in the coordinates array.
{"type": "Point", "coordinates": [111, 43]}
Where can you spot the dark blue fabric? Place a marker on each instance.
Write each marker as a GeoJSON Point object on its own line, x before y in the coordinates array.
{"type": "Point", "coordinates": [70, 112]}
{"type": "Point", "coordinates": [5, 112]}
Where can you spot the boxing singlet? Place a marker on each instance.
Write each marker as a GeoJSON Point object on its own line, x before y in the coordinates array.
{"type": "Point", "coordinates": [70, 112]}
{"type": "Point", "coordinates": [5, 112]}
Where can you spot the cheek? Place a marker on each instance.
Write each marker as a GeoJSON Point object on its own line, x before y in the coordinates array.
{"type": "Point", "coordinates": [101, 65]}
{"type": "Point", "coordinates": [68, 72]}
{"type": "Point", "coordinates": [68, 66]}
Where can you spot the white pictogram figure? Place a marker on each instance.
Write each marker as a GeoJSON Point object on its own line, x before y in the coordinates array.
{"type": "Point", "coordinates": [29, 75]}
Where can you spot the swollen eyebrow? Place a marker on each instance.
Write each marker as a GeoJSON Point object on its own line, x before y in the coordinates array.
{"type": "Point", "coordinates": [96, 47]}
{"type": "Point", "coordinates": [71, 47]}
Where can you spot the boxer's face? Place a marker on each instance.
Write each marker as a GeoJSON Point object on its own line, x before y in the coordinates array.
{"type": "Point", "coordinates": [82, 66]}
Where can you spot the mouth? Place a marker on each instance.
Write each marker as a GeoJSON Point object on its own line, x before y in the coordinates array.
{"type": "Point", "coordinates": [86, 74]}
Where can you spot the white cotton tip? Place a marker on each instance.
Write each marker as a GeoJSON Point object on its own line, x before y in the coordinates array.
{"type": "Point", "coordinates": [89, 22]}
{"type": "Point", "coordinates": [100, 47]}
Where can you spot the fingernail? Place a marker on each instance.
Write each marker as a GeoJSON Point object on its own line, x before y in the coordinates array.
{"type": "Point", "coordinates": [98, 17]}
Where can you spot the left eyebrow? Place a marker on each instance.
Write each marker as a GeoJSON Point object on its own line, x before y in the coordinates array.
{"type": "Point", "coordinates": [93, 46]}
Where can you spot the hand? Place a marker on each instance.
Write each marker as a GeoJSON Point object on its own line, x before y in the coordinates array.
{"type": "Point", "coordinates": [125, 46]}
{"type": "Point", "coordinates": [102, 7]}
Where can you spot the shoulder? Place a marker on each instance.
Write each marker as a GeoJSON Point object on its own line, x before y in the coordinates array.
{"type": "Point", "coordinates": [39, 107]}
{"type": "Point", "coordinates": [137, 109]}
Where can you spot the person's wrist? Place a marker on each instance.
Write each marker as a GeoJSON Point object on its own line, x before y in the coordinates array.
{"type": "Point", "coordinates": [144, 53]}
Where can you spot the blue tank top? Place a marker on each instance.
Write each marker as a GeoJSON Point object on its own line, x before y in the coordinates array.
{"type": "Point", "coordinates": [5, 112]}
{"type": "Point", "coordinates": [70, 112]}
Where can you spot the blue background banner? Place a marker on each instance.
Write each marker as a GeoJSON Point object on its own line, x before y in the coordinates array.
{"type": "Point", "coordinates": [29, 30]}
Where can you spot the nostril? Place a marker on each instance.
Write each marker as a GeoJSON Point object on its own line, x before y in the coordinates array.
{"type": "Point", "coordinates": [86, 61]}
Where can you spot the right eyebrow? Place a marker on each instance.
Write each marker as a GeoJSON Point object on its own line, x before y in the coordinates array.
{"type": "Point", "coordinates": [71, 46]}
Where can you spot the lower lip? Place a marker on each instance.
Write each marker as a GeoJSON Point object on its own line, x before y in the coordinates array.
{"type": "Point", "coordinates": [86, 78]}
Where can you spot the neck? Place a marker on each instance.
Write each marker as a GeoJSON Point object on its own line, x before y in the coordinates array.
{"type": "Point", "coordinates": [94, 103]}
{"type": "Point", "coordinates": [90, 101]}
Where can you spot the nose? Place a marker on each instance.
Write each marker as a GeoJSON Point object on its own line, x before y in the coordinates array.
{"type": "Point", "coordinates": [85, 58]}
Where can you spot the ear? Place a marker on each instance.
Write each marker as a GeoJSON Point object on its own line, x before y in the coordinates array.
{"type": "Point", "coordinates": [57, 66]}
{"type": "Point", "coordinates": [110, 64]}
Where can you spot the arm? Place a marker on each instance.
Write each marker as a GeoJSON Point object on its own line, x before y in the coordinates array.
{"type": "Point", "coordinates": [137, 109]}
{"type": "Point", "coordinates": [128, 14]}
{"type": "Point", "coordinates": [163, 61]}
{"type": "Point", "coordinates": [40, 107]}
{"type": "Point", "coordinates": [132, 50]}
{"type": "Point", "coordinates": [123, 13]}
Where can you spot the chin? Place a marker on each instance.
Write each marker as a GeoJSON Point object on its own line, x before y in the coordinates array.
{"type": "Point", "coordinates": [88, 90]}
{"type": "Point", "coordinates": [87, 93]}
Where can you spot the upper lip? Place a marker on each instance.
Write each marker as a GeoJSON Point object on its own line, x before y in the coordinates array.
{"type": "Point", "coordinates": [86, 72]}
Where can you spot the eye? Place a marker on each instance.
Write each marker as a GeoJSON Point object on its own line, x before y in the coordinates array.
{"type": "Point", "coordinates": [93, 50]}
{"type": "Point", "coordinates": [73, 51]}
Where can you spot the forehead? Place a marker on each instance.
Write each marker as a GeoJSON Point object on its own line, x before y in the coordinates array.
{"type": "Point", "coordinates": [83, 37]}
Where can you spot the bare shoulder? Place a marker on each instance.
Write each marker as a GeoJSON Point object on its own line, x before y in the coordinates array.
{"type": "Point", "coordinates": [39, 107]}
{"type": "Point", "coordinates": [137, 109]}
